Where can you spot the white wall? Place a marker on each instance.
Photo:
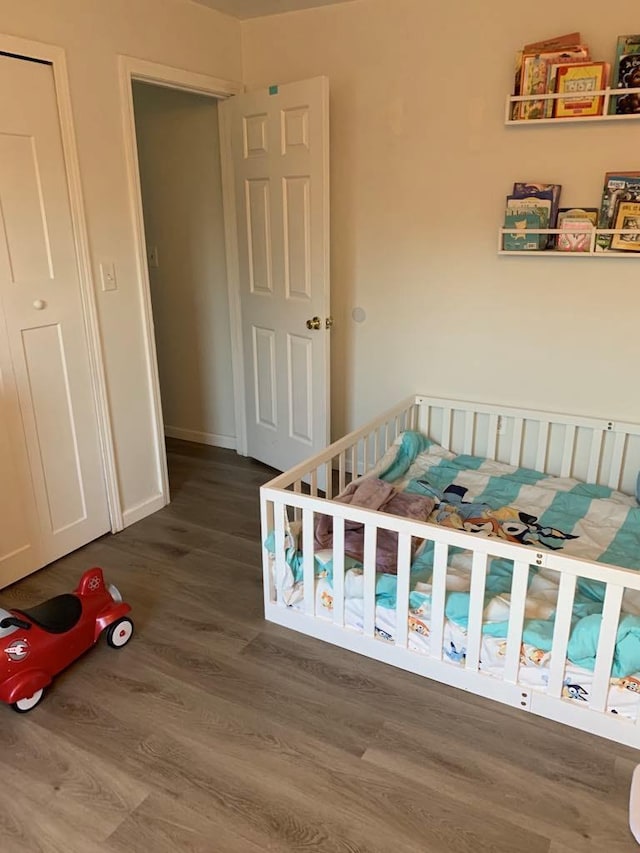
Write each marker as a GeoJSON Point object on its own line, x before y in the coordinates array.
{"type": "Point", "coordinates": [93, 33]}
{"type": "Point", "coordinates": [179, 157]}
{"type": "Point", "coordinates": [421, 163]}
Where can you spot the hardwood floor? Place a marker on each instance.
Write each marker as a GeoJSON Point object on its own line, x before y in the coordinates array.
{"type": "Point", "coordinates": [215, 732]}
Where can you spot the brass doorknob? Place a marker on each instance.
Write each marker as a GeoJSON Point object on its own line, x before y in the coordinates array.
{"type": "Point", "coordinates": [328, 322]}
{"type": "Point", "coordinates": [314, 323]}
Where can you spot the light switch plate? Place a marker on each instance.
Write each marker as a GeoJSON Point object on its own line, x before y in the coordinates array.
{"type": "Point", "coordinates": [108, 276]}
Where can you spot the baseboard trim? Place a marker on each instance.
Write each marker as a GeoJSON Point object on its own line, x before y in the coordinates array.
{"type": "Point", "coordinates": [142, 510]}
{"type": "Point", "coordinates": [227, 441]}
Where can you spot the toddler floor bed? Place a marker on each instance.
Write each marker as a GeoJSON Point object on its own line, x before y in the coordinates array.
{"type": "Point", "coordinates": [493, 549]}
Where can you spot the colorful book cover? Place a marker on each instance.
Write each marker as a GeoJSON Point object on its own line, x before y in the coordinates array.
{"type": "Point", "coordinates": [618, 187]}
{"type": "Point", "coordinates": [628, 218]}
{"type": "Point", "coordinates": [586, 214]}
{"type": "Point", "coordinates": [577, 237]}
{"type": "Point", "coordinates": [527, 189]}
{"type": "Point", "coordinates": [540, 206]}
{"type": "Point", "coordinates": [625, 45]}
{"type": "Point", "coordinates": [535, 73]}
{"type": "Point", "coordinates": [519, 240]}
{"type": "Point", "coordinates": [578, 80]}
{"type": "Point", "coordinates": [628, 78]}
{"type": "Point", "coordinates": [557, 43]}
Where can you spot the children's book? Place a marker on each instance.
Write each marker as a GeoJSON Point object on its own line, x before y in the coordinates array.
{"type": "Point", "coordinates": [528, 189]}
{"type": "Point", "coordinates": [628, 78]}
{"type": "Point", "coordinates": [577, 237]}
{"type": "Point", "coordinates": [618, 187]}
{"type": "Point", "coordinates": [626, 45]}
{"type": "Point", "coordinates": [627, 217]}
{"type": "Point", "coordinates": [519, 240]}
{"type": "Point", "coordinates": [557, 43]}
{"type": "Point", "coordinates": [536, 69]}
{"type": "Point", "coordinates": [578, 80]}
{"type": "Point", "coordinates": [539, 206]}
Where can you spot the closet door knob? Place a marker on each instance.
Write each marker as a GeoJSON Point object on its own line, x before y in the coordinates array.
{"type": "Point", "coordinates": [314, 323]}
{"type": "Point", "coordinates": [39, 304]}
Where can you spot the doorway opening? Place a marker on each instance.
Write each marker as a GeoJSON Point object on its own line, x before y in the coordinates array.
{"type": "Point", "coordinates": [178, 148]}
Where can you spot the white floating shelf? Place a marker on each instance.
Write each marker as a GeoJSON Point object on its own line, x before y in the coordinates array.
{"type": "Point", "coordinates": [593, 252]}
{"type": "Point", "coordinates": [607, 94]}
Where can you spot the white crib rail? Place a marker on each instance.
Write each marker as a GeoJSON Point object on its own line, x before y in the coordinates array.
{"type": "Point", "coordinates": [608, 452]}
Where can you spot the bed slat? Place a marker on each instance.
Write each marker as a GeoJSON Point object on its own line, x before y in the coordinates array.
{"type": "Point", "coordinates": [266, 522]}
{"type": "Point", "coordinates": [606, 646]}
{"type": "Point", "coordinates": [307, 562]}
{"type": "Point", "coordinates": [338, 571]}
{"type": "Point", "coordinates": [516, 442]}
{"type": "Point", "coordinates": [469, 432]}
{"type": "Point", "coordinates": [446, 428]}
{"type": "Point", "coordinates": [595, 456]}
{"type": "Point", "coordinates": [280, 562]}
{"type": "Point", "coordinates": [616, 461]}
{"type": "Point", "coordinates": [476, 609]}
{"type": "Point", "coordinates": [492, 437]}
{"type": "Point", "coordinates": [438, 596]}
{"type": "Point", "coordinates": [369, 579]}
{"type": "Point", "coordinates": [543, 445]}
{"type": "Point", "coordinates": [402, 596]}
{"type": "Point", "coordinates": [342, 480]}
{"type": "Point", "coordinates": [567, 451]}
{"type": "Point", "coordinates": [566, 592]}
{"type": "Point", "coordinates": [423, 418]}
{"type": "Point", "coordinates": [516, 621]}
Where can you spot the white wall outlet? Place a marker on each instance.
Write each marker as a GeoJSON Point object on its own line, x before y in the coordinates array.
{"type": "Point", "coordinates": [108, 276]}
{"type": "Point", "coordinates": [152, 257]}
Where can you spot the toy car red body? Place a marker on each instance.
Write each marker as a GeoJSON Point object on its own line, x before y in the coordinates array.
{"type": "Point", "coordinates": [37, 644]}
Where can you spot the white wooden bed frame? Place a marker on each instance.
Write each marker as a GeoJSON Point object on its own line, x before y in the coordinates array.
{"type": "Point", "coordinates": [596, 451]}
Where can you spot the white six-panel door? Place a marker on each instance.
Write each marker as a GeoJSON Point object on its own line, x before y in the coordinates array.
{"type": "Point", "coordinates": [52, 492]}
{"type": "Point", "coordinates": [279, 148]}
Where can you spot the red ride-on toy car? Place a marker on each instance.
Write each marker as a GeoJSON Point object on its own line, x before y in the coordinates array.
{"type": "Point", "coordinates": [37, 644]}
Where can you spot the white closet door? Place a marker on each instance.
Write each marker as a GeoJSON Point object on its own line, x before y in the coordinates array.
{"type": "Point", "coordinates": [52, 492]}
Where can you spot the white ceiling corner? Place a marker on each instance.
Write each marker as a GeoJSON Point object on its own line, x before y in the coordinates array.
{"type": "Point", "coordinates": [244, 9]}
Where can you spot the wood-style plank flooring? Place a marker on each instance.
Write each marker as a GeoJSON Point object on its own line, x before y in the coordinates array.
{"type": "Point", "coordinates": [215, 732]}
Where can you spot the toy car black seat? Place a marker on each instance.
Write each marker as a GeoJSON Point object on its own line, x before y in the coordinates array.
{"type": "Point", "coordinates": [56, 615]}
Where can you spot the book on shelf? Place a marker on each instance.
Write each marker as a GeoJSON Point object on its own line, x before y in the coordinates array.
{"type": "Point", "coordinates": [627, 218]}
{"type": "Point", "coordinates": [618, 187]}
{"type": "Point", "coordinates": [541, 207]}
{"type": "Point", "coordinates": [536, 74]}
{"type": "Point", "coordinates": [547, 192]}
{"type": "Point", "coordinates": [519, 240]}
{"type": "Point", "coordinates": [628, 78]}
{"type": "Point", "coordinates": [568, 217]}
{"type": "Point", "coordinates": [578, 80]}
{"type": "Point", "coordinates": [557, 43]}
{"type": "Point", "coordinates": [626, 46]}
{"type": "Point", "coordinates": [577, 236]}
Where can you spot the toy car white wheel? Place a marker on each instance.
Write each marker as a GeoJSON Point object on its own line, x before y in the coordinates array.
{"type": "Point", "coordinates": [29, 702]}
{"type": "Point", "coordinates": [119, 634]}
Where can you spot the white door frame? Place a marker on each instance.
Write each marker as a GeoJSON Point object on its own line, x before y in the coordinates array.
{"type": "Point", "coordinates": [130, 69]}
{"type": "Point", "coordinates": [56, 56]}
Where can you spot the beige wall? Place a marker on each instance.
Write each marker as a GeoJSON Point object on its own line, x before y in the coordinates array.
{"type": "Point", "coordinates": [179, 156]}
{"type": "Point", "coordinates": [421, 163]}
{"type": "Point", "coordinates": [93, 33]}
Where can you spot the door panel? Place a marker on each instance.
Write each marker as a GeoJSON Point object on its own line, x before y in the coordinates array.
{"type": "Point", "coordinates": [44, 358]}
{"type": "Point", "coordinates": [280, 160]}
